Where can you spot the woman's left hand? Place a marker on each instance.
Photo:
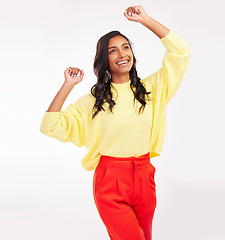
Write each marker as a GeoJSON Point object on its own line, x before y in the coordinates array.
{"type": "Point", "coordinates": [136, 14]}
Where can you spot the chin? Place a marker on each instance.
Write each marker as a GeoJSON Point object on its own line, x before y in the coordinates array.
{"type": "Point", "coordinates": [125, 70]}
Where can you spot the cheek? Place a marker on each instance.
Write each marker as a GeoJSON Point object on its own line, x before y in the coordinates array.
{"type": "Point", "coordinates": [110, 59]}
{"type": "Point", "coordinates": [131, 62]}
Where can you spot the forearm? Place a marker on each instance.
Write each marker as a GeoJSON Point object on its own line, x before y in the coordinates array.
{"type": "Point", "coordinates": [157, 28]}
{"type": "Point", "coordinates": [60, 97]}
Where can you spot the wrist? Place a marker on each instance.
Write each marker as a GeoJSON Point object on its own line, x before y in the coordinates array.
{"type": "Point", "coordinates": [67, 87]}
{"type": "Point", "coordinates": [67, 84]}
{"type": "Point", "coordinates": [146, 20]}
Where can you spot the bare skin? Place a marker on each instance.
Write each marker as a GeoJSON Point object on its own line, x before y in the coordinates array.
{"type": "Point", "coordinates": [72, 77]}
{"type": "Point", "coordinates": [119, 73]}
{"type": "Point", "coordinates": [120, 59]}
{"type": "Point", "coordinates": [138, 14]}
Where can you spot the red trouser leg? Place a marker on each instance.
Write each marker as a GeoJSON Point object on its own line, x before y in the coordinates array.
{"type": "Point", "coordinates": [145, 221]}
{"type": "Point", "coordinates": [125, 196]}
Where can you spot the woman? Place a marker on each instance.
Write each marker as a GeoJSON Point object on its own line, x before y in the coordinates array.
{"type": "Point", "coordinates": [121, 121]}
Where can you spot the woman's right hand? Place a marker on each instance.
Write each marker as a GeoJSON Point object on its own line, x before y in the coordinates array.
{"type": "Point", "coordinates": [73, 75]}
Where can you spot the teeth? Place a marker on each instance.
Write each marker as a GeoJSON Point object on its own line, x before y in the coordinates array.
{"type": "Point", "coordinates": [120, 63]}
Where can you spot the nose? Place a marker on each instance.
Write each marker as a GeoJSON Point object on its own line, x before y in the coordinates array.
{"type": "Point", "coordinates": [121, 53]}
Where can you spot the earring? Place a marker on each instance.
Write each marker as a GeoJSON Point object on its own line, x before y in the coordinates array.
{"type": "Point", "coordinates": [108, 74]}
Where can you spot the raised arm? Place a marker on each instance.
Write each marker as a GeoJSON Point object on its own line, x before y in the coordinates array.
{"type": "Point", "coordinates": [138, 14]}
{"type": "Point", "coordinates": [165, 82]}
{"type": "Point", "coordinates": [72, 77]}
{"type": "Point", "coordinates": [66, 125]}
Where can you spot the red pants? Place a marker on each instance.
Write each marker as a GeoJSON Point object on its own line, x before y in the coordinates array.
{"type": "Point", "coordinates": [125, 196]}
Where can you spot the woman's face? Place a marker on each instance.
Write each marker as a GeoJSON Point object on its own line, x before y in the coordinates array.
{"type": "Point", "coordinates": [119, 55]}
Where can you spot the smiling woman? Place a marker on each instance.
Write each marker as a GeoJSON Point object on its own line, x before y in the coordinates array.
{"type": "Point", "coordinates": [120, 58]}
{"type": "Point", "coordinates": [115, 63]}
{"type": "Point", "coordinates": [121, 142]}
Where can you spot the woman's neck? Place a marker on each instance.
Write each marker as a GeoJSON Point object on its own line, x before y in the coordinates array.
{"type": "Point", "coordinates": [120, 78]}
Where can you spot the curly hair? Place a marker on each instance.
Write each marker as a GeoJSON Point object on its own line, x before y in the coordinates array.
{"type": "Point", "coordinates": [102, 89]}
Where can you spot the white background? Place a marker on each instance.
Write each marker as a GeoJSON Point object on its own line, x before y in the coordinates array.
{"type": "Point", "coordinates": [44, 191]}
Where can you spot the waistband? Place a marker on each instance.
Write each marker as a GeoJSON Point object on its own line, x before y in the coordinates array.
{"type": "Point", "coordinates": [124, 162]}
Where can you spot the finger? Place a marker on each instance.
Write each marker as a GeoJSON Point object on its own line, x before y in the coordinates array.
{"type": "Point", "coordinates": [138, 8]}
{"type": "Point", "coordinates": [131, 9]}
{"type": "Point", "coordinates": [76, 71]}
{"type": "Point", "coordinates": [70, 70]}
{"type": "Point", "coordinates": [130, 12]}
{"type": "Point", "coordinates": [126, 14]}
{"type": "Point", "coordinates": [134, 9]}
{"type": "Point", "coordinates": [82, 73]}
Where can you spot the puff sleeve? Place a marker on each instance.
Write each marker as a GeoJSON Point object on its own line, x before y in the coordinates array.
{"type": "Point", "coordinates": [167, 79]}
{"type": "Point", "coordinates": [66, 125]}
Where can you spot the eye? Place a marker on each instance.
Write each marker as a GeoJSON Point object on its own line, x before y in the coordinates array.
{"type": "Point", "coordinates": [126, 47]}
{"type": "Point", "coordinates": [112, 51]}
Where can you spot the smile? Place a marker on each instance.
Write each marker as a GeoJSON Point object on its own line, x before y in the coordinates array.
{"type": "Point", "coordinates": [122, 63]}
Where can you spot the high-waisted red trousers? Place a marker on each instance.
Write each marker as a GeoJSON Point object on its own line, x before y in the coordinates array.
{"type": "Point", "coordinates": [125, 196]}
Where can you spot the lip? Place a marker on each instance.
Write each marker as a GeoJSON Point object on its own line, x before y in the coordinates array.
{"type": "Point", "coordinates": [127, 61]}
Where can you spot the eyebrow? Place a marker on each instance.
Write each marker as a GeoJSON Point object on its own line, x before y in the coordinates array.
{"type": "Point", "coordinates": [115, 46]}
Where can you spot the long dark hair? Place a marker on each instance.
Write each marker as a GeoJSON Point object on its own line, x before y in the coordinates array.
{"type": "Point", "coordinates": [102, 89]}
